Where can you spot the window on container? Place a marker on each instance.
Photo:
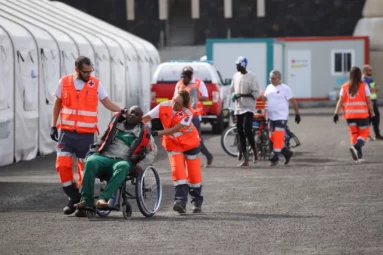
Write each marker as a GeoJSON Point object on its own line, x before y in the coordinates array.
{"type": "Point", "coordinates": [342, 61]}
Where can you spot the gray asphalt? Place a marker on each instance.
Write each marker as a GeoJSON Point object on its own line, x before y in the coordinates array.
{"type": "Point", "coordinates": [322, 203]}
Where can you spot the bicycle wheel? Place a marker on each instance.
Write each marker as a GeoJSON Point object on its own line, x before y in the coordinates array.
{"type": "Point", "coordinates": [230, 141]}
{"type": "Point", "coordinates": [148, 191]}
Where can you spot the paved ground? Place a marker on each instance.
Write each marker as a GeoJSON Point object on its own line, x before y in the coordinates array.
{"type": "Point", "coordinates": [322, 203]}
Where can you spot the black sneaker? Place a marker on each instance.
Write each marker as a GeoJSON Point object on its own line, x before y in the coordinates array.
{"type": "Point", "coordinates": [179, 208]}
{"type": "Point", "coordinates": [69, 209]}
{"type": "Point", "coordinates": [197, 208]}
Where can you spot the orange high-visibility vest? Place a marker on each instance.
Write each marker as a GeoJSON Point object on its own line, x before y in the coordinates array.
{"type": "Point", "coordinates": [354, 107]}
{"type": "Point", "coordinates": [180, 85]}
{"type": "Point", "coordinates": [79, 108]}
{"type": "Point", "coordinates": [185, 139]}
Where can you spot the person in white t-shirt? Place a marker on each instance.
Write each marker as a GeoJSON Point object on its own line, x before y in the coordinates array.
{"type": "Point", "coordinates": [77, 97]}
{"type": "Point", "coordinates": [278, 95]}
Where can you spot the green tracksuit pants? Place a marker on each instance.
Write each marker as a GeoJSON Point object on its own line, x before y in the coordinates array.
{"type": "Point", "coordinates": [98, 165]}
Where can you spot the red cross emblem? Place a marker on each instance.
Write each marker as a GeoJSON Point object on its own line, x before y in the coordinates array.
{"type": "Point", "coordinates": [180, 114]}
{"type": "Point", "coordinates": [91, 83]}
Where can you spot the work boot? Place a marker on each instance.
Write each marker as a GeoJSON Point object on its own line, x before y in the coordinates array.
{"type": "Point", "coordinates": [354, 152]}
{"type": "Point", "coordinates": [178, 207]}
{"type": "Point", "coordinates": [209, 162]}
{"type": "Point", "coordinates": [69, 209]}
{"type": "Point", "coordinates": [197, 208]}
{"type": "Point", "coordinates": [274, 160]}
{"type": "Point", "coordinates": [287, 154]}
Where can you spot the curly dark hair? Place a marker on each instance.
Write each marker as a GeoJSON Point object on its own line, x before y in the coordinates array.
{"type": "Point", "coordinates": [185, 97]}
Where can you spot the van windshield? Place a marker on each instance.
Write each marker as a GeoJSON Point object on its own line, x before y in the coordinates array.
{"type": "Point", "coordinates": [172, 73]}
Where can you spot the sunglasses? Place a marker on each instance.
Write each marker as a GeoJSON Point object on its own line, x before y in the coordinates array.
{"type": "Point", "coordinates": [87, 72]}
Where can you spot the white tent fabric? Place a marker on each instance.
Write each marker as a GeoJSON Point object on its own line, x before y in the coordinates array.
{"type": "Point", "coordinates": [148, 56]}
{"type": "Point", "coordinates": [25, 90]}
{"type": "Point", "coordinates": [52, 65]}
{"type": "Point", "coordinates": [123, 70]}
{"type": "Point", "coordinates": [6, 99]}
{"type": "Point", "coordinates": [48, 75]}
{"type": "Point", "coordinates": [94, 46]}
{"type": "Point", "coordinates": [37, 47]}
{"type": "Point", "coordinates": [116, 60]}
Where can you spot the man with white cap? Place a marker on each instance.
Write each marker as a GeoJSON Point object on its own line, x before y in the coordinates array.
{"type": "Point", "coordinates": [245, 91]}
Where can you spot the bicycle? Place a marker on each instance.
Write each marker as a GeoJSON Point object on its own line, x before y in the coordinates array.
{"type": "Point", "coordinates": [261, 135]}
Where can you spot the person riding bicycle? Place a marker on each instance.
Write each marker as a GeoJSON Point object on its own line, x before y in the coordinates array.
{"type": "Point", "coordinates": [126, 145]}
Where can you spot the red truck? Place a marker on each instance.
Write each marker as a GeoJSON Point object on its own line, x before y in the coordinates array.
{"type": "Point", "coordinates": [216, 108]}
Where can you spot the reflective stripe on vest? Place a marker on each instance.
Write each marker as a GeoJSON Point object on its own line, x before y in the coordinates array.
{"type": "Point", "coordinates": [354, 107]}
{"type": "Point", "coordinates": [79, 108]}
{"type": "Point", "coordinates": [373, 95]}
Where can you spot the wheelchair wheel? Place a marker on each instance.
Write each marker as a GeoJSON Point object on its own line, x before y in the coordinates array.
{"type": "Point", "coordinates": [148, 191]}
{"type": "Point", "coordinates": [126, 210]}
{"type": "Point", "coordinates": [230, 141]}
{"type": "Point", "coordinates": [104, 213]}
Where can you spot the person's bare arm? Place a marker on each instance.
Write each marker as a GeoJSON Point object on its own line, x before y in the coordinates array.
{"type": "Point", "coordinates": [56, 111]}
{"type": "Point", "coordinates": [110, 105]}
{"type": "Point", "coordinates": [370, 107]}
{"type": "Point", "coordinates": [146, 118]}
{"type": "Point", "coordinates": [295, 105]}
{"type": "Point", "coordinates": [338, 105]}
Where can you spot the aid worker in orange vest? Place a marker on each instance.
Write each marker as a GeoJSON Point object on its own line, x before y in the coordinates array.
{"type": "Point", "coordinates": [181, 140]}
{"type": "Point", "coordinates": [198, 93]}
{"type": "Point", "coordinates": [354, 98]}
{"type": "Point", "coordinates": [76, 103]}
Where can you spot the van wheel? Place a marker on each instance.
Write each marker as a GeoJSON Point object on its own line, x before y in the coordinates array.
{"type": "Point", "coordinates": [157, 125]}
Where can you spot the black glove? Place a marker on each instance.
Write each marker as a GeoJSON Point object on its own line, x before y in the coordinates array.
{"type": "Point", "coordinates": [54, 134]}
{"type": "Point", "coordinates": [336, 118]}
{"type": "Point", "coordinates": [297, 118]}
{"type": "Point", "coordinates": [154, 133]}
{"type": "Point", "coordinates": [372, 117]}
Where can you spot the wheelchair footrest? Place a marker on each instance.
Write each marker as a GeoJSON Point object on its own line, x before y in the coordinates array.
{"type": "Point", "coordinates": [93, 209]}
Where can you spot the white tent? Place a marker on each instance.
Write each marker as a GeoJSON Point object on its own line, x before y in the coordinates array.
{"type": "Point", "coordinates": [6, 98]}
{"type": "Point", "coordinates": [95, 49]}
{"type": "Point", "coordinates": [148, 56]}
{"type": "Point", "coordinates": [117, 60]}
{"type": "Point", "coordinates": [21, 96]}
{"type": "Point", "coordinates": [48, 74]}
{"type": "Point", "coordinates": [128, 77]}
{"type": "Point", "coordinates": [37, 47]}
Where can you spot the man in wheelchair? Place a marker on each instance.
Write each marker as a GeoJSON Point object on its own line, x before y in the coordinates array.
{"type": "Point", "coordinates": [126, 146]}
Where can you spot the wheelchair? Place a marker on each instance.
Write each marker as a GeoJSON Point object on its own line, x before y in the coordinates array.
{"type": "Point", "coordinates": [145, 188]}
